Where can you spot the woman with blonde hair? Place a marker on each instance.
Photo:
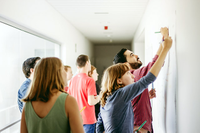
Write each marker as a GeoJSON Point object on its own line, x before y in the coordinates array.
{"type": "Point", "coordinates": [118, 89]}
{"type": "Point", "coordinates": [48, 109]}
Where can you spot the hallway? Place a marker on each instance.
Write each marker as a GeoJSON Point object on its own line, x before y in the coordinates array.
{"type": "Point", "coordinates": [99, 29]}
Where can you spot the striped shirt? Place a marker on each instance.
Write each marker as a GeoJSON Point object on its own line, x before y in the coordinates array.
{"type": "Point", "coordinates": [22, 93]}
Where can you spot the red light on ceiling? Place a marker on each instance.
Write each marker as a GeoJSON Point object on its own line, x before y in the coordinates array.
{"type": "Point", "coordinates": [105, 27]}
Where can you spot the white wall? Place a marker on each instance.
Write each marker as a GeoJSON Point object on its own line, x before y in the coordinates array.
{"type": "Point", "coordinates": [40, 16]}
{"type": "Point", "coordinates": [14, 51]}
{"type": "Point", "coordinates": [188, 20]}
{"type": "Point", "coordinates": [183, 19]}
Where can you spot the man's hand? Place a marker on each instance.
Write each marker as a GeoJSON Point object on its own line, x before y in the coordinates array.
{"type": "Point", "coordinates": [97, 97]}
{"type": "Point", "coordinates": [165, 32]}
{"type": "Point", "coordinates": [152, 93]}
{"type": "Point", "coordinates": [92, 100]}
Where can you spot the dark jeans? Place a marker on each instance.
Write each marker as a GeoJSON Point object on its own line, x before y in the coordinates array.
{"type": "Point", "coordinates": [89, 128]}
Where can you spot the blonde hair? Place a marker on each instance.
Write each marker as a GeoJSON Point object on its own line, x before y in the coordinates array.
{"type": "Point", "coordinates": [47, 77]}
{"type": "Point", "coordinates": [66, 68]}
{"type": "Point", "coordinates": [91, 72]}
{"type": "Point", "coordinates": [109, 81]}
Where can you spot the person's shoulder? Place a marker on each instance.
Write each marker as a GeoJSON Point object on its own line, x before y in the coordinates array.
{"type": "Point", "coordinates": [86, 77]}
{"type": "Point", "coordinates": [25, 84]}
{"type": "Point", "coordinates": [115, 96]}
{"type": "Point", "coordinates": [74, 78]}
{"type": "Point", "coordinates": [70, 100]}
{"type": "Point", "coordinates": [117, 92]}
{"type": "Point", "coordinates": [80, 75]}
{"type": "Point", "coordinates": [64, 94]}
{"type": "Point", "coordinates": [90, 79]}
{"type": "Point", "coordinates": [27, 81]}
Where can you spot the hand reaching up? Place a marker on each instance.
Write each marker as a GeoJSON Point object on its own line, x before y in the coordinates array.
{"type": "Point", "coordinates": [164, 31]}
{"type": "Point", "coordinates": [167, 43]}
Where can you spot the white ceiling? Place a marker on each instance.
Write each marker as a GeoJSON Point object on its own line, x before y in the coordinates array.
{"type": "Point", "coordinates": [90, 16]}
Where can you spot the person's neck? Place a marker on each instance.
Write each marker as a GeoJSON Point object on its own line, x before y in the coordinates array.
{"type": "Point", "coordinates": [132, 69]}
{"type": "Point", "coordinates": [67, 83]}
{"type": "Point", "coordinates": [31, 78]}
{"type": "Point", "coordinates": [129, 66]}
{"type": "Point", "coordinates": [83, 70]}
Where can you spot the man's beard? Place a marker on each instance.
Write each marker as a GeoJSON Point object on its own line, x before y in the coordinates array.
{"type": "Point", "coordinates": [136, 65]}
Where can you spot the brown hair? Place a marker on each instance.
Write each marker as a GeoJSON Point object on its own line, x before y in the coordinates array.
{"type": "Point", "coordinates": [91, 72]}
{"type": "Point", "coordinates": [47, 77]}
{"type": "Point", "coordinates": [28, 64]}
{"type": "Point", "coordinates": [109, 81]}
{"type": "Point", "coordinates": [66, 67]}
{"type": "Point", "coordinates": [81, 60]}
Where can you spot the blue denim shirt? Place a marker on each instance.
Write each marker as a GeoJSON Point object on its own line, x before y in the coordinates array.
{"type": "Point", "coordinates": [22, 93]}
{"type": "Point", "coordinates": [117, 114]}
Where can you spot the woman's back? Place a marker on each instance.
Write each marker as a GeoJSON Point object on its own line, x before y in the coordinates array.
{"type": "Point", "coordinates": [48, 116]}
{"type": "Point", "coordinates": [47, 109]}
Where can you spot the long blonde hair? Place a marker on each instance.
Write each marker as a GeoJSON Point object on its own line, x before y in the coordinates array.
{"type": "Point", "coordinates": [109, 81]}
{"type": "Point", "coordinates": [47, 77]}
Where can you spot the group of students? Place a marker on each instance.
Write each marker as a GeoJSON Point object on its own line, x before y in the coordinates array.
{"type": "Point", "coordinates": [55, 104]}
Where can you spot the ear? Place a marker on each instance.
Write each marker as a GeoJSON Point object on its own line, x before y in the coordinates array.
{"type": "Point", "coordinates": [31, 70]}
{"type": "Point", "coordinates": [87, 62]}
{"type": "Point", "coordinates": [119, 81]}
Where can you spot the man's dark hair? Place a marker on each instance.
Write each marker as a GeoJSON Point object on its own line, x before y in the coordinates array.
{"type": "Point", "coordinates": [81, 60]}
{"type": "Point", "coordinates": [28, 64]}
{"type": "Point", "coordinates": [120, 57]}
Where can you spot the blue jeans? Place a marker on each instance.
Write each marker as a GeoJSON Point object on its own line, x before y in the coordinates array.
{"type": "Point", "coordinates": [89, 128]}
